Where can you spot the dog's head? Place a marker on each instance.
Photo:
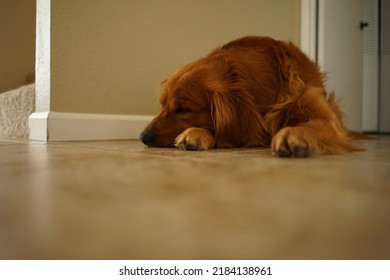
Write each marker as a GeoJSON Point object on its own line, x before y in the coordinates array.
{"type": "Point", "coordinates": [185, 103]}
{"type": "Point", "coordinates": [210, 94]}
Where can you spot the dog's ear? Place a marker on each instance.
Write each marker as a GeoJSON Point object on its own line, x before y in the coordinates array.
{"type": "Point", "coordinates": [225, 119]}
{"type": "Point", "coordinates": [236, 121]}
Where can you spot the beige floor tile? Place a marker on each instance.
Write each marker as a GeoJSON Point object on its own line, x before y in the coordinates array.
{"type": "Point", "coordinates": [122, 200]}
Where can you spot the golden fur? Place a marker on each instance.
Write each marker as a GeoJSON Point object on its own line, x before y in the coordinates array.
{"type": "Point", "coordinates": [251, 92]}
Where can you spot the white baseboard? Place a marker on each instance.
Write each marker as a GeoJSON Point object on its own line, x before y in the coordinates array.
{"type": "Point", "coordinates": [37, 123]}
{"type": "Point", "coordinates": [56, 126]}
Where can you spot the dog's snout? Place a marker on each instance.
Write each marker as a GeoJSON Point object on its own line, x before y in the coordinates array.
{"type": "Point", "coordinates": [149, 135]}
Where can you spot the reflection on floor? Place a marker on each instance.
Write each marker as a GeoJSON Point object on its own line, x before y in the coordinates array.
{"type": "Point", "coordinates": [122, 200]}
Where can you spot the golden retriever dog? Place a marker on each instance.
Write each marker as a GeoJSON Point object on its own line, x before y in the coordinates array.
{"type": "Point", "coordinates": [251, 92]}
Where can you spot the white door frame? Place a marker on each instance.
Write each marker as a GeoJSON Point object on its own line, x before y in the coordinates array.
{"type": "Point", "coordinates": [309, 28]}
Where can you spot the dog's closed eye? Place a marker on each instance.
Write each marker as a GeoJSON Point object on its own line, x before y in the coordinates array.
{"type": "Point", "coordinates": [182, 111]}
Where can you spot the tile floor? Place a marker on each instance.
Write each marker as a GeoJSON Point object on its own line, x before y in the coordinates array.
{"type": "Point", "coordinates": [122, 200]}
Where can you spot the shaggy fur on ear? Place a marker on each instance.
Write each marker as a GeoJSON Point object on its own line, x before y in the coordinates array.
{"type": "Point", "coordinates": [234, 115]}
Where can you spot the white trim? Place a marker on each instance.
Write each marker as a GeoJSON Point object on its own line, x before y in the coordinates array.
{"type": "Point", "coordinates": [309, 28]}
{"type": "Point", "coordinates": [56, 126]}
{"type": "Point", "coordinates": [42, 54]}
{"type": "Point", "coordinates": [38, 126]}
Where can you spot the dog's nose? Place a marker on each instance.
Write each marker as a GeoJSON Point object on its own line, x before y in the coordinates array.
{"type": "Point", "coordinates": [146, 138]}
{"type": "Point", "coordinates": [143, 138]}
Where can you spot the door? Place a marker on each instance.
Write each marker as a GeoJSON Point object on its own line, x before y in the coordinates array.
{"type": "Point", "coordinates": [370, 27]}
{"type": "Point", "coordinates": [384, 98]}
{"type": "Point", "coordinates": [340, 54]}
{"type": "Point", "coordinates": [376, 66]}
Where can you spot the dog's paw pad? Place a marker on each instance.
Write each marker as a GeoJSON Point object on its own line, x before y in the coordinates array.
{"type": "Point", "coordinates": [302, 151]}
{"type": "Point", "coordinates": [182, 144]}
{"type": "Point", "coordinates": [289, 142]}
{"type": "Point", "coordinates": [195, 139]}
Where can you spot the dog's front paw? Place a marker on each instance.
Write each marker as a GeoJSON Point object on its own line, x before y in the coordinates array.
{"type": "Point", "coordinates": [291, 142]}
{"type": "Point", "coordinates": [194, 138]}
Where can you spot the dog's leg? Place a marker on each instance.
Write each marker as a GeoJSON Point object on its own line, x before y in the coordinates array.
{"type": "Point", "coordinates": [320, 131]}
{"type": "Point", "coordinates": [314, 137]}
{"type": "Point", "coordinates": [300, 141]}
{"type": "Point", "coordinates": [195, 138]}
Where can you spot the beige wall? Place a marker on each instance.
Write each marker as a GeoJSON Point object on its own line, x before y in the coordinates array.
{"type": "Point", "coordinates": [109, 57]}
{"type": "Point", "coordinates": [17, 43]}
